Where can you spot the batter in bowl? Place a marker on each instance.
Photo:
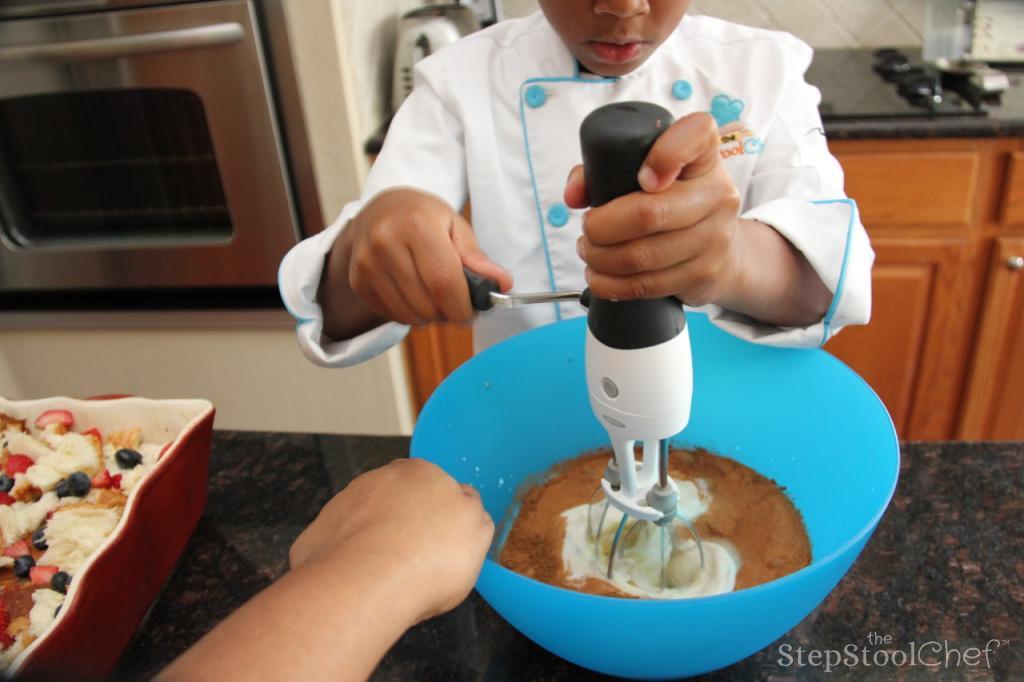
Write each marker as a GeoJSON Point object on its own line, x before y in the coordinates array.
{"type": "Point", "coordinates": [751, 531]}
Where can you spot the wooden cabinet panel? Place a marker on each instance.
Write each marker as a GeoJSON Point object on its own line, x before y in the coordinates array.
{"type": "Point", "coordinates": [432, 353]}
{"type": "Point", "coordinates": [908, 189]}
{"type": "Point", "coordinates": [994, 404]}
{"type": "Point", "coordinates": [901, 352]}
{"type": "Point", "coordinates": [887, 352]}
{"type": "Point", "coordinates": [1013, 196]}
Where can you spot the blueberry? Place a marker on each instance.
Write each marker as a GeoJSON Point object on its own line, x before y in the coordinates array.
{"type": "Point", "coordinates": [77, 484]}
{"type": "Point", "coordinates": [127, 458]}
{"type": "Point", "coordinates": [22, 565]}
{"type": "Point", "coordinates": [39, 540]}
{"type": "Point", "coordinates": [6, 483]}
{"type": "Point", "coordinates": [60, 582]}
{"type": "Point", "coordinates": [56, 611]}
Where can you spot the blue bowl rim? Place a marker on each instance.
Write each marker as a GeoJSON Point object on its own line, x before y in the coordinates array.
{"type": "Point", "coordinates": [816, 564]}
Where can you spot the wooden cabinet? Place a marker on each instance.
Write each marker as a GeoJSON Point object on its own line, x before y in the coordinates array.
{"type": "Point", "coordinates": [935, 210]}
{"type": "Point", "coordinates": [945, 346]}
{"type": "Point", "coordinates": [432, 353]}
{"type": "Point", "coordinates": [906, 349]}
{"type": "Point", "coordinates": [994, 406]}
{"type": "Point", "coordinates": [1013, 197]}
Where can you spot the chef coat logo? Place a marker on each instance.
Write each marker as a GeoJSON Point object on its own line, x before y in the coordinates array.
{"type": "Point", "coordinates": [737, 139]}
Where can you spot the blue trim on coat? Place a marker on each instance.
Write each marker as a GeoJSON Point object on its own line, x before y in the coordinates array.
{"type": "Point", "coordinates": [834, 306]}
{"type": "Point", "coordinates": [576, 78]}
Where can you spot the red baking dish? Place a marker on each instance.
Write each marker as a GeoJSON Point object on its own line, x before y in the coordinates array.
{"type": "Point", "coordinates": [116, 586]}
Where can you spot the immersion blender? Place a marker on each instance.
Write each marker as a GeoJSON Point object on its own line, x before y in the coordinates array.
{"type": "Point", "coordinates": [638, 361]}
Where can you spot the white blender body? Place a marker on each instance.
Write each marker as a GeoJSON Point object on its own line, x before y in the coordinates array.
{"type": "Point", "coordinates": [639, 394]}
{"type": "Point", "coordinates": [638, 364]}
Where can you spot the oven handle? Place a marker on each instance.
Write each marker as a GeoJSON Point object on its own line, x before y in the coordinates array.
{"type": "Point", "coordinates": [127, 46]}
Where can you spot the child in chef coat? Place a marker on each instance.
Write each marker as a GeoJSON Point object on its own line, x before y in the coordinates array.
{"type": "Point", "coordinates": [742, 210]}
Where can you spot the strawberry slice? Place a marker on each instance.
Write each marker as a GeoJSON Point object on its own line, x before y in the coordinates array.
{"type": "Point", "coordinates": [102, 480]}
{"type": "Point", "coordinates": [115, 481]}
{"type": "Point", "coordinates": [94, 432]}
{"type": "Point", "coordinates": [18, 464]}
{"type": "Point", "coordinates": [19, 548]}
{"type": "Point", "coordinates": [41, 575]}
{"type": "Point", "coordinates": [7, 499]}
{"type": "Point", "coordinates": [62, 417]}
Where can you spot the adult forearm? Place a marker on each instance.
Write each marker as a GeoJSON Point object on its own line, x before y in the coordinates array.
{"type": "Point", "coordinates": [318, 622]}
{"type": "Point", "coordinates": [345, 313]}
{"type": "Point", "coordinates": [776, 284]}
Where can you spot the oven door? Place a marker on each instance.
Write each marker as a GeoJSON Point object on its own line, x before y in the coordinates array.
{"type": "Point", "coordinates": [138, 150]}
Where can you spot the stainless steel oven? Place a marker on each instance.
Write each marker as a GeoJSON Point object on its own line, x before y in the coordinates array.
{"type": "Point", "coordinates": [140, 149]}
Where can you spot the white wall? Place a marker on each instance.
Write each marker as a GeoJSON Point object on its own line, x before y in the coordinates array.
{"type": "Point", "coordinates": [254, 374]}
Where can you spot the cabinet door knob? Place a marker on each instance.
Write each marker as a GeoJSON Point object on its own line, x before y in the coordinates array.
{"type": "Point", "coordinates": [1015, 263]}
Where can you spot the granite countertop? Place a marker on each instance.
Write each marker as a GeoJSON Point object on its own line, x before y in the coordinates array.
{"type": "Point", "coordinates": [946, 565]}
{"type": "Point", "coordinates": [849, 85]}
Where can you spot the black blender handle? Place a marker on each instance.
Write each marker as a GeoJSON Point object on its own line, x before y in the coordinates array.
{"type": "Point", "coordinates": [615, 140]}
{"type": "Point", "coordinates": [480, 290]}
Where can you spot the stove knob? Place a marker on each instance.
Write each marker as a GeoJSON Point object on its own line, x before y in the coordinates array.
{"type": "Point", "coordinates": [921, 88]}
{"type": "Point", "coordinates": [892, 69]}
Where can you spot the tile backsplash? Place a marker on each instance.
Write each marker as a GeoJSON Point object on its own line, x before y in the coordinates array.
{"type": "Point", "coordinates": [829, 23]}
{"type": "Point", "coordinates": [371, 28]}
{"type": "Point", "coordinates": [822, 23]}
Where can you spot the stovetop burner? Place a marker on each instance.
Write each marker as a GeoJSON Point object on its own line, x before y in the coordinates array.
{"type": "Point", "coordinates": [904, 87]}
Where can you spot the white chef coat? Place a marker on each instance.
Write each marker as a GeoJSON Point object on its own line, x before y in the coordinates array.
{"type": "Point", "coordinates": [495, 118]}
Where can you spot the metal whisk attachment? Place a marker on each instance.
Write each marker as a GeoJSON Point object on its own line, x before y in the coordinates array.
{"type": "Point", "coordinates": [662, 498]}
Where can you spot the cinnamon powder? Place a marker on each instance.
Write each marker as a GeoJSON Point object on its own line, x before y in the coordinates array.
{"type": "Point", "coordinates": [747, 509]}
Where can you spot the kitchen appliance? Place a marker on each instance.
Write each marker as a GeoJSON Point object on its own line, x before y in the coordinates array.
{"type": "Point", "coordinates": [422, 32]}
{"type": "Point", "coordinates": [888, 83]}
{"type": "Point", "coordinates": [142, 154]}
{"type": "Point", "coordinates": [997, 32]}
{"type": "Point", "coordinates": [487, 11]}
{"type": "Point", "coordinates": [962, 36]}
{"type": "Point", "coordinates": [797, 416]}
{"type": "Point", "coordinates": [639, 375]}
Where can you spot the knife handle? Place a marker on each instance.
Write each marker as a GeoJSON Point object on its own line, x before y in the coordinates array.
{"type": "Point", "coordinates": [480, 290]}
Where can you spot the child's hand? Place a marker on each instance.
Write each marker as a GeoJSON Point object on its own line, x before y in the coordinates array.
{"type": "Point", "coordinates": [404, 254]}
{"type": "Point", "coordinates": [410, 522]}
{"type": "Point", "coordinates": [679, 236]}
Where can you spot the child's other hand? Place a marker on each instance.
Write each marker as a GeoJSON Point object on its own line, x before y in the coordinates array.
{"type": "Point", "coordinates": [409, 522]}
{"type": "Point", "coordinates": [405, 252]}
{"type": "Point", "coordinates": [677, 237]}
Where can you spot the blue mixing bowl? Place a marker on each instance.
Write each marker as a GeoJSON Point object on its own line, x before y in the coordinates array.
{"type": "Point", "coordinates": [800, 417]}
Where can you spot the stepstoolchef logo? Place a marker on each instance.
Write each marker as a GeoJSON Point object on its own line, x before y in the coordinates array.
{"type": "Point", "coordinates": [881, 652]}
{"type": "Point", "coordinates": [737, 140]}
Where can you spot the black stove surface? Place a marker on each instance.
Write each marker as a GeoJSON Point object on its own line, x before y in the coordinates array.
{"type": "Point", "coordinates": [883, 84]}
